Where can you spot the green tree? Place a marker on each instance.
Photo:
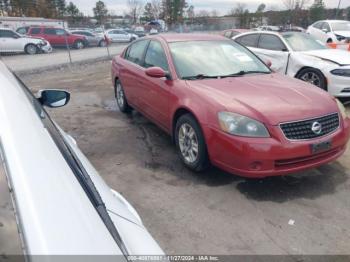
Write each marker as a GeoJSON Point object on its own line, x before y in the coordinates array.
{"type": "Point", "coordinates": [148, 12]}
{"type": "Point", "coordinates": [260, 13]}
{"type": "Point", "coordinates": [317, 11]}
{"type": "Point", "coordinates": [100, 12]}
{"type": "Point", "coordinates": [174, 11]}
{"type": "Point", "coordinates": [72, 12]}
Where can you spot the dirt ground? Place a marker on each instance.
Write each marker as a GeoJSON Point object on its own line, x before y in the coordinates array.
{"type": "Point", "coordinates": [210, 213]}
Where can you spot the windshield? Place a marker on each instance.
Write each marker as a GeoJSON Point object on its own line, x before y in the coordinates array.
{"type": "Point", "coordinates": [342, 26]}
{"type": "Point", "coordinates": [213, 58]}
{"type": "Point", "coordinates": [302, 42]}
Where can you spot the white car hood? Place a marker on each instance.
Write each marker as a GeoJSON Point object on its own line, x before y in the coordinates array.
{"type": "Point", "coordinates": [342, 33]}
{"type": "Point", "coordinates": [338, 56]}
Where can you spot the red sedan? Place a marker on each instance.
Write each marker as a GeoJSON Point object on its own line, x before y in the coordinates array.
{"type": "Point", "coordinates": [222, 105]}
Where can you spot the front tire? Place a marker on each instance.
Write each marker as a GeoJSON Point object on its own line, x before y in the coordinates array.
{"type": "Point", "coordinates": [31, 49]}
{"type": "Point", "coordinates": [191, 144]}
{"type": "Point", "coordinates": [313, 76]}
{"type": "Point", "coordinates": [121, 98]}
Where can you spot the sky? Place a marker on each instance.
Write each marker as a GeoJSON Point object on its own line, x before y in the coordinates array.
{"type": "Point", "coordinates": [222, 6]}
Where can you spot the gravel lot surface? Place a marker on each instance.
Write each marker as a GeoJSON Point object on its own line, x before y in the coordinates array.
{"type": "Point", "coordinates": [210, 213]}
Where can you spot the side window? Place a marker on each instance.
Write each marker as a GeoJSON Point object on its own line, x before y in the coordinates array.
{"type": "Point", "coordinates": [271, 42]}
{"type": "Point", "coordinates": [155, 56]}
{"type": "Point", "coordinates": [7, 34]}
{"type": "Point", "coordinates": [49, 31]}
{"type": "Point", "coordinates": [249, 40]}
{"type": "Point", "coordinates": [326, 27]}
{"type": "Point", "coordinates": [318, 25]}
{"type": "Point", "coordinates": [35, 31]}
{"type": "Point", "coordinates": [136, 51]}
{"type": "Point", "coordinates": [60, 32]}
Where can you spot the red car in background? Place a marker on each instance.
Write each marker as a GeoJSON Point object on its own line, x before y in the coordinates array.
{"type": "Point", "coordinates": [222, 105]}
{"type": "Point", "coordinates": [233, 32]}
{"type": "Point", "coordinates": [58, 37]}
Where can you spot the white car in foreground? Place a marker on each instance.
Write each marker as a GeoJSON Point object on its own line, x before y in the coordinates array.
{"type": "Point", "coordinates": [12, 42]}
{"type": "Point", "coordinates": [301, 56]}
{"type": "Point", "coordinates": [330, 31]}
{"type": "Point", "coordinates": [60, 203]}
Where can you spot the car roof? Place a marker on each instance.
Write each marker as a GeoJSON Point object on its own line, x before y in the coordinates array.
{"type": "Point", "coordinates": [188, 37]}
{"type": "Point", "coordinates": [258, 32]}
{"type": "Point", "coordinates": [4, 28]}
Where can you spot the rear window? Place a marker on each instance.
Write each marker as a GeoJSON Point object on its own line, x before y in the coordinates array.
{"type": "Point", "coordinates": [35, 31]}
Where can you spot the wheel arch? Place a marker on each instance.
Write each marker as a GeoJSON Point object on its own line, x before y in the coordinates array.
{"type": "Point", "coordinates": [310, 67]}
{"type": "Point", "coordinates": [177, 114]}
{"type": "Point", "coordinates": [28, 44]}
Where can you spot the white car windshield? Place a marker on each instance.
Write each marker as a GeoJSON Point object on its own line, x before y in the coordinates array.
{"type": "Point", "coordinates": [213, 59]}
{"type": "Point", "coordinates": [302, 42]}
{"type": "Point", "coordinates": [341, 26]}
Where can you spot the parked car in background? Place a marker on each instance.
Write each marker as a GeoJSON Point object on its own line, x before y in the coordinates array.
{"type": "Point", "coordinates": [59, 37]}
{"type": "Point", "coordinates": [331, 31]}
{"type": "Point", "coordinates": [92, 39]}
{"type": "Point", "coordinates": [22, 30]}
{"type": "Point", "coordinates": [11, 42]}
{"type": "Point", "coordinates": [301, 56]}
{"type": "Point", "coordinates": [222, 105]}
{"type": "Point", "coordinates": [118, 35]}
{"type": "Point", "coordinates": [140, 31]}
{"type": "Point", "coordinates": [233, 32]}
{"type": "Point", "coordinates": [61, 205]}
{"type": "Point", "coordinates": [269, 28]}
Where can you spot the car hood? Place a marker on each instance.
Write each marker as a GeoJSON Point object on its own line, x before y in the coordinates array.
{"type": "Point", "coordinates": [338, 56]}
{"type": "Point", "coordinates": [272, 99]}
{"type": "Point", "coordinates": [342, 33]}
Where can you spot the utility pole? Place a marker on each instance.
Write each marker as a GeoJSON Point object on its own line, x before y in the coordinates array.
{"type": "Point", "coordinates": [336, 14]}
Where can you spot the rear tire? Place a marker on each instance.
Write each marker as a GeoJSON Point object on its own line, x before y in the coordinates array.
{"type": "Point", "coordinates": [121, 98]}
{"type": "Point", "coordinates": [313, 76]}
{"type": "Point", "coordinates": [191, 144]}
{"type": "Point", "coordinates": [31, 49]}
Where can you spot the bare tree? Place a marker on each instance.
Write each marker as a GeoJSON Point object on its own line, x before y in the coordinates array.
{"type": "Point", "coordinates": [156, 8]}
{"type": "Point", "coordinates": [135, 9]}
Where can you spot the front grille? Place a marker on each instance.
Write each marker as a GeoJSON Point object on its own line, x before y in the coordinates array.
{"type": "Point", "coordinates": [301, 130]}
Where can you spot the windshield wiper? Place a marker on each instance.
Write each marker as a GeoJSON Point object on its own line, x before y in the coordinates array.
{"type": "Point", "coordinates": [199, 76]}
{"type": "Point", "coordinates": [241, 73]}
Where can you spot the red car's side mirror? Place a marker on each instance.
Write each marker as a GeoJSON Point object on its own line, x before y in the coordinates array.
{"type": "Point", "coordinates": [156, 72]}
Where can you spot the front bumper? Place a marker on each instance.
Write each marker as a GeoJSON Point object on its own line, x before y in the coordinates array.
{"type": "Point", "coordinates": [46, 48]}
{"type": "Point", "coordinates": [264, 157]}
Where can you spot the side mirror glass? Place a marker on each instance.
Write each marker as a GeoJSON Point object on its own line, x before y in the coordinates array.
{"type": "Point", "coordinates": [156, 72]}
{"type": "Point", "coordinates": [53, 98]}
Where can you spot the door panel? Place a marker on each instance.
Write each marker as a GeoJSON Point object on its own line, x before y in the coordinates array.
{"type": "Point", "coordinates": [156, 91]}
{"type": "Point", "coordinates": [278, 59]}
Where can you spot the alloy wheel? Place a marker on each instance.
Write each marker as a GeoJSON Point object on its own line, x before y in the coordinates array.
{"type": "Point", "coordinates": [188, 143]}
{"type": "Point", "coordinates": [311, 78]}
{"type": "Point", "coordinates": [120, 95]}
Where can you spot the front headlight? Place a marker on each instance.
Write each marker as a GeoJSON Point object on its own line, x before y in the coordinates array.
{"type": "Point", "coordinates": [342, 109]}
{"type": "Point", "coordinates": [341, 72]}
{"type": "Point", "coordinates": [340, 37]}
{"type": "Point", "coordinates": [239, 125]}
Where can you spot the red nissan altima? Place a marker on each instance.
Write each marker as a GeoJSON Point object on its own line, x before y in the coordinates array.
{"type": "Point", "coordinates": [222, 105]}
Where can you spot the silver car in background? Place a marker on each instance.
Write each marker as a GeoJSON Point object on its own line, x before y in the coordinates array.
{"type": "Point", "coordinates": [92, 39]}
